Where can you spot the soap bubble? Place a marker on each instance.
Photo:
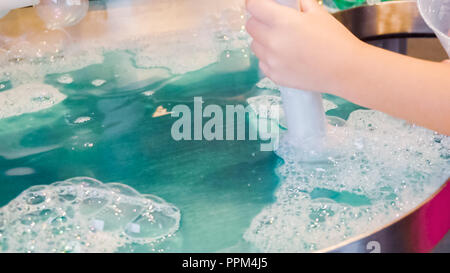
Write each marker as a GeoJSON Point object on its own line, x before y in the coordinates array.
{"type": "Point", "coordinates": [62, 13]}
{"type": "Point", "coordinates": [82, 214]}
{"type": "Point", "coordinates": [49, 43]}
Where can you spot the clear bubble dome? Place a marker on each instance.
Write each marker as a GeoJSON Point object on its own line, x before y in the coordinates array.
{"type": "Point", "coordinates": [35, 46]}
{"type": "Point", "coordinates": [62, 13]}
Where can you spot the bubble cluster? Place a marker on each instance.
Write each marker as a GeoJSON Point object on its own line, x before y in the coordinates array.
{"type": "Point", "coordinates": [80, 120]}
{"type": "Point", "coordinates": [84, 215]}
{"type": "Point", "coordinates": [376, 169]}
{"type": "Point", "coordinates": [62, 13]}
{"type": "Point", "coordinates": [195, 54]}
{"type": "Point", "coordinates": [98, 82]}
{"type": "Point", "coordinates": [28, 98]}
{"type": "Point", "coordinates": [177, 51]}
{"type": "Point", "coordinates": [38, 46]}
{"type": "Point", "coordinates": [24, 67]}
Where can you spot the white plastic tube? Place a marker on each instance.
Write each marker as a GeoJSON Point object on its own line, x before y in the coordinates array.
{"type": "Point", "coordinates": [304, 111]}
{"type": "Point", "coordinates": [305, 116]}
{"type": "Point", "coordinates": [7, 5]}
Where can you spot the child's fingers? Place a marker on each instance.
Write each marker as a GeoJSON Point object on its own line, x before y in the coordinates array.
{"type": "Point", "coordinates": [309, 5]}
{"type": "Point", "coordinates": [258, 50]}
{"type": "Point", "coordinates": [266, 11]}
{"type": "Point", "coordinates": [258, 31]}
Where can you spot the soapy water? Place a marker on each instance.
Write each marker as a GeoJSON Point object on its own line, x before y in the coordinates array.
{"type": "Point", "coordinates": [199, 48]}
{"type": "Point", "coordinates": [374, 169]}
{"type": "Point", "coordinates": [37, 46]}
{"type": "Point", "coordinates": [84, 215]}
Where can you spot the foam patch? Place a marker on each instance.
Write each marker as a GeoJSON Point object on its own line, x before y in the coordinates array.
{"type": "Point", "coordinates": [28, 98]}
{"type": "Point", "coordinates": [376, 169]}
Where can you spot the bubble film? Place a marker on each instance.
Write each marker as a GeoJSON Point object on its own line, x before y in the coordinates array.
{"type": "Point", "coordinates": [220, 33]}
{"type": "Point", "coordinates": [84, 215]}
{"type": "Point", "coordinates": [62, 13]}
{"type": "Point", "coordinates": [374, 170]}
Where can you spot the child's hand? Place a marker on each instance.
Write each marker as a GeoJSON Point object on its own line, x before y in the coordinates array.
{"type": "Point", "coordinates": [306, 50]}
{"type": "Point", "coordinates": [310, 50]}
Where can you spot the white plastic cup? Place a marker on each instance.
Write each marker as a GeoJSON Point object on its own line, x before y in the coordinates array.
{"type": "Point", "coordinates": [436, 14]}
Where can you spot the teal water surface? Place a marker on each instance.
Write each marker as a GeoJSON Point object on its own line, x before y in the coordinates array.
{"type": "Point", "coordinates": [219, 186]}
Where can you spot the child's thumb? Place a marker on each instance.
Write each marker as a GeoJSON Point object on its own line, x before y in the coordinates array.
{"type": "Point", "coordinates": [309, 5]}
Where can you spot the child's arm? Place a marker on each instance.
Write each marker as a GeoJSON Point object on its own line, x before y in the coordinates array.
{"type": "Point", "coordinates": [312, 51]}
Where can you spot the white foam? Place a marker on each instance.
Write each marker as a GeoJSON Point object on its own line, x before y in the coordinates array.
{"type": "Point", "coordinates": [179, 50]}
{"type": "Point", "coordinates": [65, 79]}
{"type": "Point", "coordinates": [196, 50]}
{"type": "Point", "coordinates": [81, 120]}
{"type": "Point", "coordinates": [26, 70]}
{"type": "Point", "coordinates": [378, 168]}
{"type": "Point", "coordinates": [28, 98]}
{"type": "Point", "coordinates": [148, 93]}
{"type": "Point", "coordinates": [98, 82]}
{"type": "Point", "coordinates": [84, 215]}
{"type": "Point", "coordinates": [328, 105]}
